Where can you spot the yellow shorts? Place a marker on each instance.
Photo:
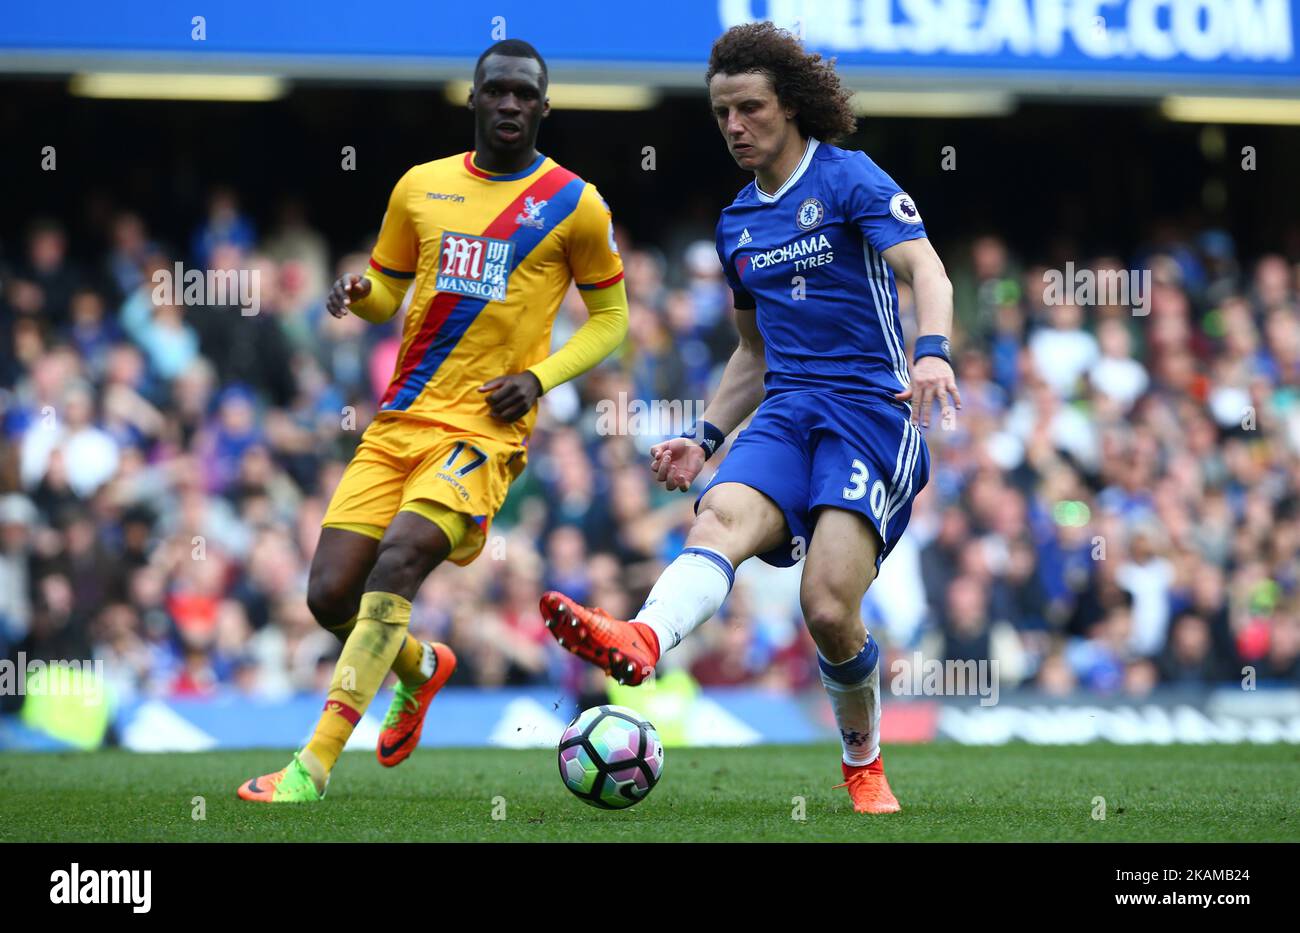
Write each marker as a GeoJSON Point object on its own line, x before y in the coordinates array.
{"type": "Point", "coordinates": [404, 463]}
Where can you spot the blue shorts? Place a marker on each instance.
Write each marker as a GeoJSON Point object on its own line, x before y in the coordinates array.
{"type": "Point", "coordinates": [805, 450]}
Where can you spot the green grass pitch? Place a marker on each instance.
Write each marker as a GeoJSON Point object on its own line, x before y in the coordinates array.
{"type": "Point", "coordinates": [949, 792]}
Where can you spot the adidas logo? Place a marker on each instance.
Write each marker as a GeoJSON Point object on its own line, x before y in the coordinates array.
{"type": "Point", "coordinates": [744, 238]}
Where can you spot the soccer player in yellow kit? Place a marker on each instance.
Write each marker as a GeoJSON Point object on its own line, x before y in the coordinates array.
{"type": "Point", "coordinates": [492, 239]}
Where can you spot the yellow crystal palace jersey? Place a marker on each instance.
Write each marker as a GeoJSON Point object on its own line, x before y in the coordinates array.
{"type": "Point", "coordinates": [492, 256]}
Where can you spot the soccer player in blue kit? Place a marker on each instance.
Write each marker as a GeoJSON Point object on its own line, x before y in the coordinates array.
{"type": "Point", "coordinates": [829, 465]}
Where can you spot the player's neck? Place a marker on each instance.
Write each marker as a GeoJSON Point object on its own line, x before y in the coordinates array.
{"type": "Point", "coordinates": [504, 163]}
{"type": "Point", "coordinates": [771, 178]}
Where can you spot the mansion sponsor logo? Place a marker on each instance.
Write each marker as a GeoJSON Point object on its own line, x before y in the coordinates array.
{"type": "Point", "coordinates": [476, 266]}
{"type": "Point", "coordinates": [1084, 287]}
{"type": "Point", "coordinates": [930, 677]}
{"type": "Point", "coordinates": [213, 288]}
{"type": "Point", "coordinates": [104, 886]}
{"type": "Point", "coordinates": [639, 418]}
{"type": "Point", "coordinates": [52, 678]}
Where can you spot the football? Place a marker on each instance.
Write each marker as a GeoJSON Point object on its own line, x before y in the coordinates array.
{"type": "Point", "coordinates": [610, 757]}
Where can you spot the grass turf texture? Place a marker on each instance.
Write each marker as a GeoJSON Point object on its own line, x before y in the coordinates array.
{"type": "Point", "coordinates": [948, 792]}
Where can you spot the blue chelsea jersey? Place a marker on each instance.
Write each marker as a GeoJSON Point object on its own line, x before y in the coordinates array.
{"type": "Point", "coordinates": [808, 258]}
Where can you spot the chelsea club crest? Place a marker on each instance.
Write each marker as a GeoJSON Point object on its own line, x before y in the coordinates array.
{"type": "Point", "coordinates": [810, 213]}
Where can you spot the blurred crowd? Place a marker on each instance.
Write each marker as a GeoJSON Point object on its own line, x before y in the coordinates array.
{"type": "Point", "coordinates": [1116, 506]}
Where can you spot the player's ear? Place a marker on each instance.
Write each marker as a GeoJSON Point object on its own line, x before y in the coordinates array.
{"type": "Point", "coordinates": [469, 99]}
{"type": "Point", "coordinates": [546, 107]}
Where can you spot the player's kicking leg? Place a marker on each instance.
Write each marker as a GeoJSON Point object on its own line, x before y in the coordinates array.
{"type": "Point", "coordinates": [734, 523]}
{"type": "Point", "coordinates": [840, 566]}
{"type": "Point", "coordinates": [375, 640]}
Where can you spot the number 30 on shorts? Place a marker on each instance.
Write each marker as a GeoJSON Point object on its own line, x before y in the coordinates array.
{"type": "Point", "coordinates": [857, 488]}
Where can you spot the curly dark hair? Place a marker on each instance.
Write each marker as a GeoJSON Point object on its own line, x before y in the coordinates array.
{"type": "Point", "coordinates": [803, 80]}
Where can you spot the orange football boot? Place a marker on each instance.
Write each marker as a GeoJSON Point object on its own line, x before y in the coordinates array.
{"type": "Point", "coordinates": [615, 646]}
{"type": "Point", "coordinates": [869, 788]}
{"type": "Point", "coordinates": [291, 784]}
{"type": "Point", "coordinates": [405, 720]}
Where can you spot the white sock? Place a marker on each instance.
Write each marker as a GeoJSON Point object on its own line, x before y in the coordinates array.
{"type": "Point", "coordinates": [854, 689]}
{"type": "Point", "coordinates": [686, 595]}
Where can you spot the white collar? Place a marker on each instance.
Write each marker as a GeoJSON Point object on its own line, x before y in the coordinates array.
{"type": "Point", "coordinates": [790, 182]}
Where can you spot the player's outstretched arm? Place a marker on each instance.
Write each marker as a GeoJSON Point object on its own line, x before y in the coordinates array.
{"type": "Point", "coordinates": [677, 462]}
{"type": "Point", "coordinates": [916, 263]}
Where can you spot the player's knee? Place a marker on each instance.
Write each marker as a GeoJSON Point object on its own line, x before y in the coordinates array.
{"type": "Point", "coordinates": [330, 599]}
{"type": "Point", "coordinates": [400, 567]}
{"type": "Point", "coordinates": [713, 526]}
{"type": "Point", "coordinates": [830, 618]}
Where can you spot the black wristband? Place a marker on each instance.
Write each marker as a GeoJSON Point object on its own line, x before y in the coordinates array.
{"type": "Point", "coordinates": [932, 345]}
{"type": "Point", "coordinates": [707, 436]}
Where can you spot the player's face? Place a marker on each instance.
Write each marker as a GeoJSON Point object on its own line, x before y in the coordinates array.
{"type": "Point", "coordinates": [751, 119]}
{"type": "Point", "coordinates": [509, 104]}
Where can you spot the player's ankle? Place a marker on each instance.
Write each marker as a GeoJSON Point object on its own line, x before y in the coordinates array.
{"type": "Point", "coordinates": [427, 667]}
{"type": "Point", "coordinates": [651, 637]}
{"type": "Point", "coordinates": [428, 661]}
{"type": "Point", "coordinates": [319, 773]}
{"type": "Point", "coordinates": [876, 764]}
{"type": "Point", "coordinates": [414, 681]}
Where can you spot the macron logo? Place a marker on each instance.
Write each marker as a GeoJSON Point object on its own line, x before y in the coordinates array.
{"type": "Point", "coordinates": [745, 238]}
{"type": "Point", "coordinates": [103, 887]}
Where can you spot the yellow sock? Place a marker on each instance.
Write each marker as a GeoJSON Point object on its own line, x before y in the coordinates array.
{"type": "Point", "coordinates": [344, 630]}
{"type": "Point", "coordinates": [409, 666]}
{"type": "Point", "coordinates": [367, 656]}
